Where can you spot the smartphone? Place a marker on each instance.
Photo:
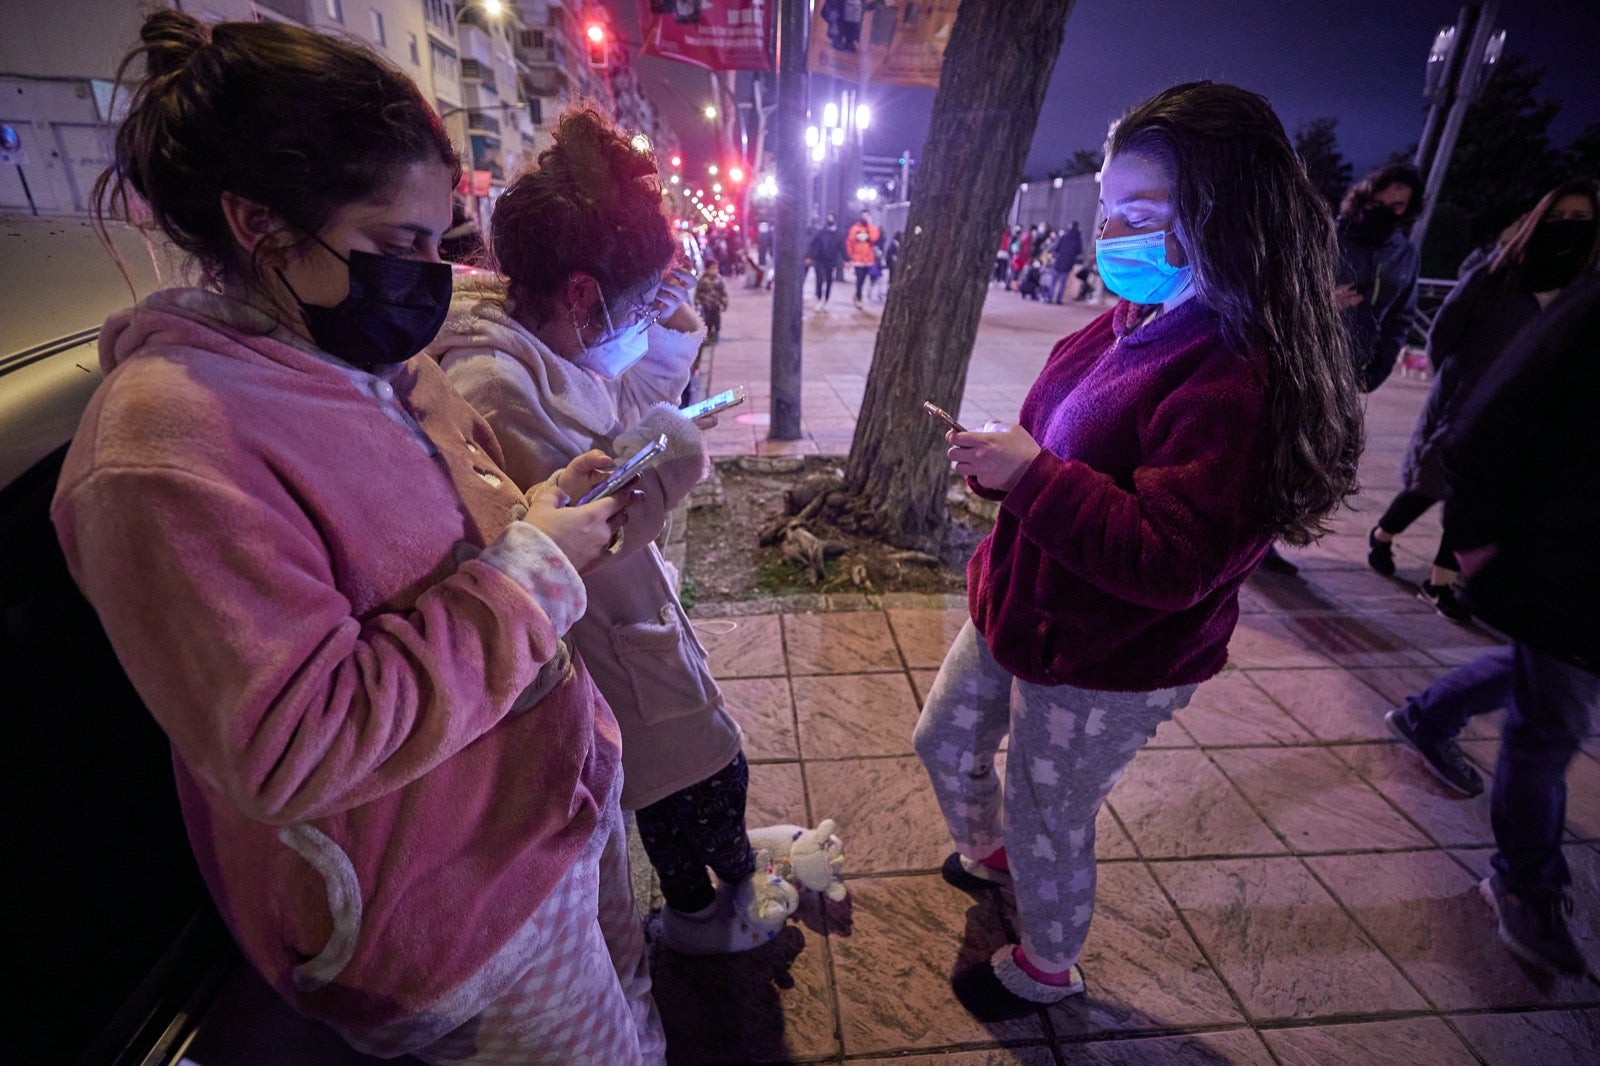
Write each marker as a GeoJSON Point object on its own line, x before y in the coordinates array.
{"type": "Point", "coordinates": [637, 463]}
{"type": "Point", "coordinates": [714, 404]}
{"type": "Point", "coordinates": [942, 415]}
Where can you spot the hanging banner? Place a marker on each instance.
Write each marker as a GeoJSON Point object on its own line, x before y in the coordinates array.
{"type": "Point", "coordinates": [902, 42]}
{"type": "Point", "coordinates": [714, 34]}
{"type": "Point", "coordinates": [915, 54]}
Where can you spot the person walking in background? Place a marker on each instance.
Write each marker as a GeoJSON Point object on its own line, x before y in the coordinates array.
{"type": "Point", "coordinates": [711, 298]}
{"type": "Point", "coordinates": [861, 245]}
{"type": "Point", "coordinates": [1548, 248]}
{"type": "Point", "coordinates": [400, 786]}
{"type": "Point", "coordinates": [1159, 452]}
{"type": "Point", "coordinates": [1378, 267]}
{"type": "Point", "coordinates": [578, 350]}
{"type": "Point", "coordinates": [891, 255]}
{"type": "Point", "coordinates": [1524, 481]}
{"type": "Point", "coordinates": [824, 255]}
{"type": "Point", "coordinates": [1065, 254]}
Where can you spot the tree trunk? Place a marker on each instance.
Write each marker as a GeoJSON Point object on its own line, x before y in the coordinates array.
{"type": "Point", "coordinates": [996, 69]}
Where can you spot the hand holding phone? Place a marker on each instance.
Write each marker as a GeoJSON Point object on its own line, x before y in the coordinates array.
{"type": "Point", "coordinates": [712, 405]}
{"type": "Point", "coordinates": [637, 463]}
{"type": "Point", "coordinates": [942, 415]}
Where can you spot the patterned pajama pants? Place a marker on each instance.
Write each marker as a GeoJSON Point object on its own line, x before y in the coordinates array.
{"type": "Point", "coordinates": [586, 998]}
{"type": "Point", "coordinates": [1068, 747]}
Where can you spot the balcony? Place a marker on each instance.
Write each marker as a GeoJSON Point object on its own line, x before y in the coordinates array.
{"type": "Point", "coordinates": [482, 122]}
{"type": "Point", "coordinates": [480, 72]}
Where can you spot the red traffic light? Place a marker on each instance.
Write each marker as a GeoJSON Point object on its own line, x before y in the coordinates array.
{"type": "Point", "coordinates": [677, 160]}
{"type": "Point", "coordinates": [594, 39]}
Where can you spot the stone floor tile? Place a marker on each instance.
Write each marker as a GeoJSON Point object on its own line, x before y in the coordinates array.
{"type": "Point", "coordinates": [1359, 589]}
{"type": "Point", "coordinates": [1402, 1042]}
{"type": "Point", "coordinates": [1547, 1037]}
{"type": "Point", "coordinates": [1396, 683]}
{"type": "Point", "coordinates": [1583, 862]}
{"type": "Point", "coordinates": [1332, 704]}
{"type": "Point", "coordinates": [1433, 633]}
{"type": "Point", "coordinates": [777, 795]}
{"type": "Point", "coordinates": [907, 936]}
{"type": "Point", "coordinates": [925, 635]}
{"type": "Point", "coordinates": [922, 683]}
{"type": "Point", "coordinates": [847, 715]}
{"type": "Point", "coordinates": [1110, 842]}
{"type": "Point", "coordinates": [1426, 914]}
{"type": "Point", "coordinates": [772, 1004]}
{"type": "Point", "coordinates": [885, 810]}
{"type": "Point", "coordinates": [1141, 968]}
{"type": "Point", "coordinates": [1229, 1047]}
{"type": "Point", "coordinates": [844, 643]}
{"type": "Point", "coordinates": [1033, 1055]}
{"type": "Point", "coordinates": [1267, 593]}
{"type": "Point", "coordinates": [1356, 640]}
{"type": "Point", "coordinates": [764, 709]}
{"type": "Point", "coordinates": [1232, 709]}
{"type": "Point", "coordinates": [751, 646]}
{"type": "Point", "coordinates": [1286, 947]}
{"type": "Point", "coordinates": [1314, 802]}
{"type": "Point", "coordinates": [1265, 641]}
{"type": "Point", "coordinates": [1177, 803]}
{"type": "Point", "coordinates": [1171, 734]}
{"type": "Point", "coordinates": [1446, 816]}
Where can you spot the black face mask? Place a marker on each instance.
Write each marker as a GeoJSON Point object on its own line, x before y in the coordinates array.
{"type": "Point", "coordinates": [1374, 225]}
{"type": "Point", "coordinates": [1556, 252]}
{"type": "Point", "coordinates": [394, 308]}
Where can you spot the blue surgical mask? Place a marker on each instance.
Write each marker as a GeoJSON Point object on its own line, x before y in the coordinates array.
{"type": "Point", "coordinates": [1135, 267]}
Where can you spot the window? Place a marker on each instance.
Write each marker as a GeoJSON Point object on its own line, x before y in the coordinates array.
{"type": "Point", "coordinates": [336, 10]}
{"type": "Point", "coordinates": [416, 57]}
{"type": "Point", "coordinates": [377, 29]}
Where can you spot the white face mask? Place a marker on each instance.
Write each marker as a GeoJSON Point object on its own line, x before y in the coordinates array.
{"type": "Point", "coordinates": [613, 355]}
{"type": "Point", "coordinates": [616, 350]}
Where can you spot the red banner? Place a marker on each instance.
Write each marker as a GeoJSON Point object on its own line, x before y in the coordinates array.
{"type": "Point", "coordinates": [714, 34]}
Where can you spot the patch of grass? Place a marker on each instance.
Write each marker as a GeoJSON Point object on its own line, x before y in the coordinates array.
{"type": "Point", "coordinates": [781, 578]}
{"type": "Point", "coordinates": [688, 592]}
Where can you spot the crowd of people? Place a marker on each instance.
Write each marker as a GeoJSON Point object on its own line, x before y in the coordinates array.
{"type": "Point", "coordinates": [331, 507]}
{"type": "Point", "coordinates": [869, 252]}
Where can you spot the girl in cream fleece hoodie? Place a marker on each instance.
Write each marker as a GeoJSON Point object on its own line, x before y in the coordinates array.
{"type": "Point", "coordinates": [574, 356]}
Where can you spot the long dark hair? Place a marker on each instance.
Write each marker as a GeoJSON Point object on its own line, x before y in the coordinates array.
{"type": "Point", "coordinates": [297, 121]}
{"type": "Point", "coordinates": [591, 205]}
{"type": "Point", "coordinates": [1514, 242]}
{"type": "Point", "coordinates": [1364, 191]}
{"type": "Point", "coordinates": [1258, 236]}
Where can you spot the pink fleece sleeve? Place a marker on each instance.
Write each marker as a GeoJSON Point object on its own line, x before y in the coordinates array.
{"type": "Point", "coordinates": [227, 618]}
{"type": "Point", "coordinates": [1167, 542]}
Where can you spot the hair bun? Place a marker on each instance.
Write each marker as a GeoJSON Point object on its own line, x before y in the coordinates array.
{"type": "Point", "coordinates": [171, 39]}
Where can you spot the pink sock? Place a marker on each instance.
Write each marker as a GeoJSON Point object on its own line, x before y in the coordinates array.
{"type": "Point", "coordinates": [1044, 977]}
{"type": "Point", "coordinates": [997, 861]}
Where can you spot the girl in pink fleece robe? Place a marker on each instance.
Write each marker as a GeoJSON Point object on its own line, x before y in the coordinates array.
{"type": "Point", "coordinates": [401, 789]}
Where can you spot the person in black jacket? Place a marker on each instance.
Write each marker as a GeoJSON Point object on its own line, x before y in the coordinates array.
{"type": "Point", "coordinates": [1524, 505]}
{"type": "Point", "coordinates": [1548, 248]}
{"type": "Point", "coordinates": [1378, 268]}
{"type": "Point", "coordinates": [824, 255]}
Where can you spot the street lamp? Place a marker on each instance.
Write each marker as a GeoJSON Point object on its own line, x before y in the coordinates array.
{"type": "Point", "coordinates": [492, 8]}
{"type": "Point", "coordinates": [710, 112]}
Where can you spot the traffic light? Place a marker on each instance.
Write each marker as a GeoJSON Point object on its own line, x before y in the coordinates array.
{"type": "Point", "coordinates": [677, 160]}
{"type": "Point", "coordinates": [594, 40]}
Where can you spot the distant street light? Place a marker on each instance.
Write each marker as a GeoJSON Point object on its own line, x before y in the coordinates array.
{"type": "Point", "coordinates": [711, 169]}
{"type": "Point", "coordinates": [640, 143]}
{"type": "Point", "coordinates": [863, 116]}
{"type": "Point", "coordinates": [710, 112]}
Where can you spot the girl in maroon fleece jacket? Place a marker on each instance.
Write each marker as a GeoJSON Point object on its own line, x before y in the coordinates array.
{"type": "Point", "coordinates": [1159, 453]}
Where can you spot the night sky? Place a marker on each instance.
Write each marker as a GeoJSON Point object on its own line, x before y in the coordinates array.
{"type": "Point", "coordinates": [1358, 60]}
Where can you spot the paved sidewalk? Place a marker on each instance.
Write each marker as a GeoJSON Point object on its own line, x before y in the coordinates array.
{"type": "Point", "coordinates": [1280, 882]}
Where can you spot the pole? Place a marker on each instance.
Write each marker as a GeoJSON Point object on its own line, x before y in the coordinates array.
{"type": "Point", "coordinates": [1439, 99]}
{"type": "Point", "coordinates": [1466, 90]}
{"type": "Point", "coordinates": [789, 270]}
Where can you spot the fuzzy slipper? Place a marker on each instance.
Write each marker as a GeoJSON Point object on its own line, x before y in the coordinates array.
{"type": "Point", "coordinates": [970, 876]}
{"type": "Point", "coordinates": [744, 916]}
{"type": "Point", "coordinates": [999, 989]}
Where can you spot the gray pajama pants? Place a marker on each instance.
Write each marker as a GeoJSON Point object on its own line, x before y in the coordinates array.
{"type": "Point", "coordinates": [1068, 747]}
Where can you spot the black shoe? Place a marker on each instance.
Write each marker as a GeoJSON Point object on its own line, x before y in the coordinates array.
{"type": "Point", "coordinates": [1442, 756]}
{"type": "Point", "coordinates": [955, 872]}
{"type": "Point", "coordinates": [1380, 554]}
{"type": "Point", "coordinates": [1535, 930]}
{"type": "Point", "coordinates": [1442, 598]}
{"type": "Point", "coordinates": [1277, 564]}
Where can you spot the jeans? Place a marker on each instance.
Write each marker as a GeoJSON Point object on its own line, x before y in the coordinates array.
{"type": "Point", "coordinates": [861, 280]}
{"type": "Point", "coordinates": [1406, 508]}
{"type": "Point", "coordinates": [1549, 715]}
{"type": "Point", "coordinates": [824, 274]}
{"type": "Point", "coordinates": [1058, 285]}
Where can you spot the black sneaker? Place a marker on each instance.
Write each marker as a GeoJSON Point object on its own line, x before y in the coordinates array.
{"type": "Point", "coordinates": [1535, 930]}
{"type": "Point", "coordinates": [1442, 756]}
{"type": "Point", "coordinates": [1442, 598]}
{"type": "Point", "coordinates": [969, 876]}
{"type": "Point", "coordinates": [1380, 554]}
